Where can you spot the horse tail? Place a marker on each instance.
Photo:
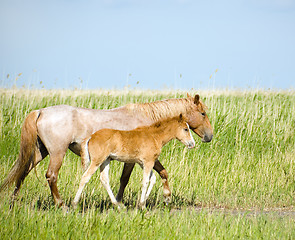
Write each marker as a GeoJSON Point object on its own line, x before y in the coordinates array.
{"type": "Point", "coordinates": [25, 161]}
{"type": "Point", "coordinates": [85, 158]}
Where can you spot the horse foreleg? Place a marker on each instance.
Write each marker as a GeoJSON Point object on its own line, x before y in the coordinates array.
{"type": "Point", "coordinates": [85, 179]}
{"type": "Point", "coordinates": [128, 167]}
{"type": "Point", "coordinates": [164, 175]}
{"type": "Point", "coordinates": [51, 176]}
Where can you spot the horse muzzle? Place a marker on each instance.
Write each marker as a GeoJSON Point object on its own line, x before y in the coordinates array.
{"type": "Point", "coordinates": [207, 138]}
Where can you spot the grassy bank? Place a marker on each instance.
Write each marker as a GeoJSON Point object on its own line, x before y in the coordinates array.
{"type": "Point", "coordinates": [248, 166]}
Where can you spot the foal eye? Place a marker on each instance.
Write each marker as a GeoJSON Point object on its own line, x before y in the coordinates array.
{"type": "Point", "coordinates": [186, 129]}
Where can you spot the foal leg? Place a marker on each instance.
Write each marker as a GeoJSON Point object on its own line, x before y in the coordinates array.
{"type": "Point", "coordinates": [152, 181]}
{"type": "Point", "coordinates": [164, 175]}
{"type": "Point", "coordinates": [104, 178]}
{"type": "Point", "coordinates": [128, 167]}
{"type": "Point", "coordinates": [85, 179]}
{"type": "Point", "coordinates": [147, 169]}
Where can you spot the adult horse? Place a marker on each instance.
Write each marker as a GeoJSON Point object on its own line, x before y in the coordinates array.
{"type": "Point", "coordinates": [53, 130]}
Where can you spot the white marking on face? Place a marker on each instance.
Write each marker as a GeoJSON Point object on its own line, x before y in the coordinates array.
{"type": "Point", "coordinates": [192, 140]}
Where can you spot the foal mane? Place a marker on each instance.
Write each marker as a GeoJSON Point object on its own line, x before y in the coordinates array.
{"type": "Point", "coordinates": [162, 109]}
{"type": "Point", "coordinates": [179, 118]}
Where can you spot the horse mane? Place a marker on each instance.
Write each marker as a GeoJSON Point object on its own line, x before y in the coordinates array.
{"type": "Point", "coordinates": [158, 124]}
{"type": "Point", "coordinates": [163, 108]}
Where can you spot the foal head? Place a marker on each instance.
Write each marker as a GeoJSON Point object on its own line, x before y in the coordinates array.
{"type": "Point", "coordinates": [198, 120]}
{"type": "Point", "coordinates": [182, 132]}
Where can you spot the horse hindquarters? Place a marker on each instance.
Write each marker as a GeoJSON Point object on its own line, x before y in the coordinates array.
{"type": "Point", "coordinates": [27, 155]}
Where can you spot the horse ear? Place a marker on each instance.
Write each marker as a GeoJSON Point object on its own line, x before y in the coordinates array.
{"type": "Point", "coordinates": [180, 117]}
{"type": "Point", "coordinates": [197, 99]}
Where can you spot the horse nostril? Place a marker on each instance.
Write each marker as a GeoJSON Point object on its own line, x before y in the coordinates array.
{"type": "Point", "coordinates": [208, 138]}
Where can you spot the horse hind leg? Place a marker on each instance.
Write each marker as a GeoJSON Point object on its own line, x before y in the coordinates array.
{"type": "Point", "coordinates": [37, 156]}
{"type": "Point", "coordinates": [164, 175]}
{"type": "Point", "coordinates": [52, 175]}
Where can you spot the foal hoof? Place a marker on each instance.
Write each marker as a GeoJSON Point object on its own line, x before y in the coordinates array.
{"type": "Point", "coordinates": [141, 206]}
{"type": "Point", "coordinates": [167, 200]}
{"type": "Point", "coordinates": [120, 206]}
{"type": "Point", "coordinates": [74, 205]}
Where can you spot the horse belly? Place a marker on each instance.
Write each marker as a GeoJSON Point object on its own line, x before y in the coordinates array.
{"type": "Point", "coordinates": [75, 148]}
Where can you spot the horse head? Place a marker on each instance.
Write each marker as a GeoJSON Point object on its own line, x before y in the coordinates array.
{"type": "Point", "coordinates": [198, 120]}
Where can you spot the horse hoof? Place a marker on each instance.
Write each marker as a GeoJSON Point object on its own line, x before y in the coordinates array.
{"type": "Point", "coordinates": [119, 199]}
{"type": "Point", "coordinates": [167, 200]}
{"type": "Point", "coordinates": [65, 209]}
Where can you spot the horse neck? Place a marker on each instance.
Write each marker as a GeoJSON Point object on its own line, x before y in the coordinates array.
{"type": "Point", "coordinates": [159, 110]}
{"type": "Point", "coordinates": [165, 133]}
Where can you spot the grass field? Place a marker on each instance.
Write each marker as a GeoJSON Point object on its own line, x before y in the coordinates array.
{"type": "Point", "coordinates": [240, 185]}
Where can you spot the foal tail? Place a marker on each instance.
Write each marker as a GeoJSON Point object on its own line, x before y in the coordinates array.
{"type": "Point", "coordinates": [25, 161]}
{"type": "Point", "coordinates": [85, 158]}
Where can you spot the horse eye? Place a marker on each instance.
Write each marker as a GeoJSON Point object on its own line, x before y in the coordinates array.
{"type": "Point", "coordinates": [186, 129]}
{"type": "Point", "coordinates": [203, 114]}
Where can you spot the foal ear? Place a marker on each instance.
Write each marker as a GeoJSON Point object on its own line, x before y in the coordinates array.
{"type": "Point", "coordinates": [189, 96]}
{"type": "Point", "coordinates": [197, 99]}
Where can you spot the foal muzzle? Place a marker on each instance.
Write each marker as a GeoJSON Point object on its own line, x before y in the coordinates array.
{"type": "Point", "coordinates": [190, 144]}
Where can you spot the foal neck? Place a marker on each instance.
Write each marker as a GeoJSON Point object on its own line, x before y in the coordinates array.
{"type": "Point", "coordinates": [165, 132]}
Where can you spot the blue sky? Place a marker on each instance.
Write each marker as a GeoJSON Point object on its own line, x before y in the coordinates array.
{"type": "Point", "coordinates": [162, 44]}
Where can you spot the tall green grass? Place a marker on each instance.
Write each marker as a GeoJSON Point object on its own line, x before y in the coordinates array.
{"type": "Point", "coordinates": [249, 166]}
